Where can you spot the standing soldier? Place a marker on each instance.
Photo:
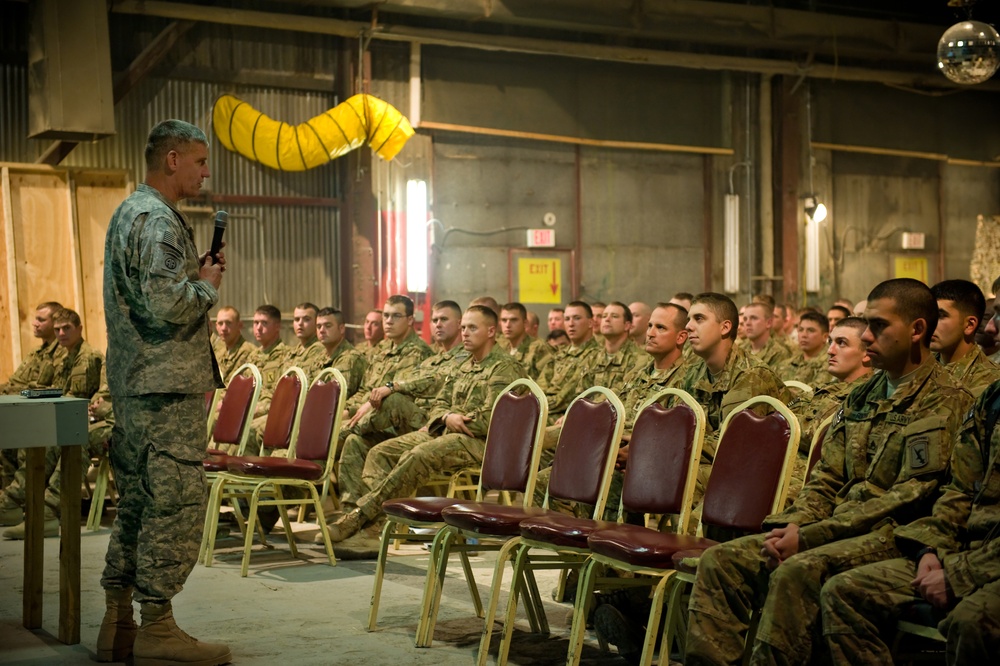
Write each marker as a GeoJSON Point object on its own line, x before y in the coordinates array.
{"type": "Point", "coordinates": [157, 294]}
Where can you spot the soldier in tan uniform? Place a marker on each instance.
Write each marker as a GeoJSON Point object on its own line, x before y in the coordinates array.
{"type": "Point", "coordinates": [235, 349]}
{"type": "Point", "coordinates": [533, 354]}
{"type": "Point", "coordinates": [373, 333]}
{"type": "Point", "coordinates": [757, 321]}
{"type": "Point", "coordinates": [809, 364]}
{"type": "Point", "coordinates": [960, 309]}
{"type": "Point", "coordinates": [951, 559]}
{"type": "Point", "coordinates": [557, 319]}
{"type": "Point", "coordinates": [883, 461]}
{"type": "Point", "coordinates": [597, 310]}
{"type": "Point", "coordinates": [572, 360]}
{"type": "Point", "coordinates": [531, 325]}
{"type": "Point", "coordinates": [402, 403]}
{"type": "Point", "coordinates": [78, 374]}
{"type": "Point", "coordinates": [455, 433]}
{"type": "Point", "coordinates": [271, 358]}
{"type": "Point", "coordinates": [309, 354]}
{"type": "Point", "coordinates": [640, 321]}
{"type": "Point", "coordinates": [340, 353]}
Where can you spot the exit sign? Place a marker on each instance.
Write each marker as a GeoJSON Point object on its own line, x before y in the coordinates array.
{"type": "Point", "coordinates": [541, 237]}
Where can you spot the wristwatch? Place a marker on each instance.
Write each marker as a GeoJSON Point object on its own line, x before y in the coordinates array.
{"type": "Point", "coordinates": [925, 551]}
{"type": "Point", "coordinates": [391, 386]}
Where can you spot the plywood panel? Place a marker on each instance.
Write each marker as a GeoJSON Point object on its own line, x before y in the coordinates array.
{"type": "Point", "coordinates": [97, 195]}
{"type": "Point", "coordinates": [8, 292]}
{"type": "Point", "coordinates": [44, 253]}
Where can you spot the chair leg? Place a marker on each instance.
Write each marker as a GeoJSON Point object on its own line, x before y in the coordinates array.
{"type": "Point", "coordinates": [520, 564]}
{"type": "Point", "coordinates": [248, 538]}
{"type": "Point", "coordinates": [323, 529]}
{"type": "Point", "coordinates": [283, 515]}
{"type": "Point", "coordinates": [671, 589]}
{"type": "Point", "coordinates": [383, 550]}
{"type": "Point", "coordinates": [503, 556]}
{"type": "Point", "coordinates": [211, 521]}
{"type": "Point", "coordinates": [97, 498]}
{"type": "Point", "coordinates": [581, 606]}
{"type": "Point", "coordinates": [535, 598]}
{"type": "Point", "coordinates": [430, 604]}
{"type": "Point", "coordinates": [470, 580]}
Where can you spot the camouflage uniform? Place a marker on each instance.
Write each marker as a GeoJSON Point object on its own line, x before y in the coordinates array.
{"type": "Point", "coordinates": [773, 354]}
{"type": "Point", "coordinates": [995, 357]}
{"type": "Point", "coordinates": [371, 353]}
{"type": "Point", "coordinates": [401, 412]}
{"type": "Point", "coordinates": [390, 360]}
{"type": "Point", "coordinates": [974, 371]}
{"type": "Point", "coordinates": [230, 359]}
{"type": "Point", "coordinates": [963, 529]}
{"type": "Point", "coordinates": [38, 370]}
{"type": "Point", "coordinates": [883, 460]}
{"type": "Point", "coordinates": [535, 355]}
{"type": "Point", "coordinates": [160, 365]}
{"type": "Point", "coordinates": [310, 356]}
{"type": "Point", "coordinates": [399, 466]}
{"type": "Point", "coordinates": [565, 372]}
{"type": "Point", "coordinates": [271, 362]}
{"type": "Point", "coordinates": [808, 371]}
{"type": "Point", "coordinates": [351, 363]}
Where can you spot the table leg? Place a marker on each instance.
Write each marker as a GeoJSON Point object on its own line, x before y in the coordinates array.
{"type": "Point", "coordinates": [69, 546]}
{"type": "Point", "coordinates": [34, 546]}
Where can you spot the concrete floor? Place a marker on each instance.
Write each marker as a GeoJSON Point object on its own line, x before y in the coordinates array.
{"type": "Point", "coordinates": [300, 611]}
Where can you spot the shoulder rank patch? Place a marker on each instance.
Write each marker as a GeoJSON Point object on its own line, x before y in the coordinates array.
{"type": "Point", "coordinates": [919, 451]}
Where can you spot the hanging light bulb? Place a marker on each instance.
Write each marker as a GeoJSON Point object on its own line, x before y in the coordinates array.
{"type": "Point", "coordinates": [815, 209]}
{"type": "Point", "coordinates": [969, 52]}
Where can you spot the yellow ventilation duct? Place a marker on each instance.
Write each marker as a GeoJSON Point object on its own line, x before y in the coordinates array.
{"type": "Point", "coordinates": [335, 132]}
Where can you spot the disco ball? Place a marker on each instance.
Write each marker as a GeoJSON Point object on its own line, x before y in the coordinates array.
{"type": "Point", "coordinates": [969, 52]}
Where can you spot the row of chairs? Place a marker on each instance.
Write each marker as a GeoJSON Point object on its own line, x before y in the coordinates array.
{"type": "Point", "coordinates": [749, 480]}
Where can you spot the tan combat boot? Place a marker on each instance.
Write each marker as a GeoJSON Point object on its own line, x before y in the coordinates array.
{"type": "Point", "coordinates": [114, 641]}
{"type": "Point", "coordinates": [160, 642]}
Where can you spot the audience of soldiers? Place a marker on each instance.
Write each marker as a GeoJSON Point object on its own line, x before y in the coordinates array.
{"type": "Point", "coordinates": [900, 508]}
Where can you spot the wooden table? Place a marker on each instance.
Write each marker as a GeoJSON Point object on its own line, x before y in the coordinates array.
{"type": "Point", "coordinates": [34, 424]}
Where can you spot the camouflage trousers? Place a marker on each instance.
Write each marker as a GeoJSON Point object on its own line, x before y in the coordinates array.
{"type": "Point", "coordinates": [157, 447]}
{"type": "Point", "coordinates": [733, 582]}
{"type": "Point", "coordinates": [400, 466]}
{"type": "Point", "coordinates": [858, 603]}
{"type": "Point", "coordinates": [8, 465]}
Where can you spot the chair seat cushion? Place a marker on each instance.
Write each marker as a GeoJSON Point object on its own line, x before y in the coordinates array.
{"type": "Point", "coordinates": [215, 463]}
{"type": "Point", "coordinates": [560, 529]}
{"type": "Point", "coordinates": [686, 560]}
{"type": "Point", "coordinates": [418, 509]}
{"type": "Point", "coordinates": [486, 518]}
{"type": "Point", "coordinates": [643, 547]}
{"type": "Point", "coordinates": [283, 468]}
{"type": "Point", "coordinates": [216, 452]}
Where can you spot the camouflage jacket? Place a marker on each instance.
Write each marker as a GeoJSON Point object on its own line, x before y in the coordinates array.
{"type": "Point", "coordinates": [155, 305]}
{"type": "Point", "coordinates": [310, 357]}
{"type": "Point", "coordinates": [974, 371]}
{"type": "Point", "coordinates": [565, 373]}
{"type": "Point", "coordinates": [102, 399]}
{"type": "Point", "coordinates": [271, 362]}
{"type": "Point", "coordinates": [230, 359]}
{"type": "Point", "coordinates": [423, 382]}
{"type": "Point", "coordinates": [772, 355]}
{"type": "Point", "coordinates": [811, 409]}
{"type": "Point", "coordinates": [351, 363]}
{"type": "Point", "coordinates": [472, 389]}
{"type": "Point", "coordinates": [534, 354]}
{"type": "Point", "coordinates": [610, 370]}
{"type": "Point", "coordinates": [645, 381]}
{"type": "Point", "coordinates": [744, 377]}
{"type": "Point", "coordinates": [38, 370]}
{"type": "Point", "coordinates": [808, 371]}
{"type": "Point", "coordinates": [883, 458]}
{"type": "Point", "coordinates": [391, 360]}
{"type": "Point", "coordinates": [79, 372]}
{"type": "Point", "coordinates": [995, 357]}
{"type": "Point", "coordinates": [371, 353]}
{"type": "Point", "coordinates": [964, 525]}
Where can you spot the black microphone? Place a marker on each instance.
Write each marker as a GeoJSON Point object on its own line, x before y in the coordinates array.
{"type": "Point", "coordinates": [221, 220]}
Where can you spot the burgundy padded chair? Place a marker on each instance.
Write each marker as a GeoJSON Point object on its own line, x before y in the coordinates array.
{"type": "Point", "coordinates": [581, 472]}
{"type": "Point", "coordinates": [232, 424]}
{"type": "Point", "coordinates": [510, 463]}
{"type": "Point", "coordinates": [749, 481]}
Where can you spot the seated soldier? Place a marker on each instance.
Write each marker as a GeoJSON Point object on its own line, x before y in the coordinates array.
{"type": "Point", "coordinates": [741, 330]}
{"type": "Point", "coordinates": [847, 361]}
{"type": "Point", "coordinates": [993, 324]}
{"type": "Point", "coordinates": [533, 354]}
{"type": "Point", "coordinates": [640, 320]}
{"type": "Point", "coordinates": [340, 353]}
{"type": "Point", "coordinates": [557, 339]}
{"type": "Point", "coordinates": [309, 354]}
{"type": "Point", "coordinates": [597, 310]}
{"type": "Point", "coordinates": [531, 327]}
{"type": "Point", "coordinates": [78, 374]}
{"type": "Point", "coordinates": [950, 559]}
{"type": "Point", "coordinates": [809, 364]}
{"type": "Point", "coordinates": [236, 349]}
{"type": "Point", "coordinates": [960, 309]}
{"type": "Point", "coordinates": [837, 313]}
{"type": "Point", "coordinates": [454, 435]}
{"type": "Point", "coordinates": [570, 362]}
{"type": "Point", "coordinates": [883, 460]}
{"type": "Point", "coordinates": [37, 370]}
{"type": "Point", "coordinates": [757, 323]}
{"type": "Point", "coordinates": [400, 406]}
{"type": "Point", "coordinates": [271, 358]}
{"type": "Point", "coordinates": [556, 319]}
{"type": "Point", "coordinates": [986, 340]}
{"type": "Point", "coordinates": [373, 333]}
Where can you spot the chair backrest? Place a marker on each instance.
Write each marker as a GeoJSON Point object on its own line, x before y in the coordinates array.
{"type": "Point", "coordinates": [663, 457]}
{"type": "Point", "coordinates": [801, 386]}
{"type": "Point", "coordinates": [816, 448]}
{"type": "Point", "coordinates": [752, 467]}
{"type": "Point", "coordinates": [513, 442]}
{"type": "Point", "coordinates": [587, 449]}
{"type": "Point", "coordinates": [238, 404]}
{"type": "Point", "coordinates": [319, 424]}
{"type": "Point", "coordinates": [283, 414]}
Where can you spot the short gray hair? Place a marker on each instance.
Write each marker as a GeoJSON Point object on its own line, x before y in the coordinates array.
{"type": "Point", "coordinates": [170, 135]}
